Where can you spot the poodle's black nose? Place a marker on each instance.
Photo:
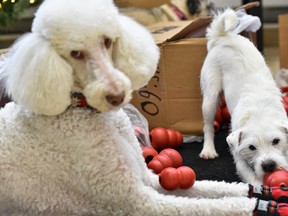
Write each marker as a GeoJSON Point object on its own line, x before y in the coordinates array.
{"type": "Point", "coordinates": [268, 166]}
{"type": "Point", "coordinates": [115, 99]}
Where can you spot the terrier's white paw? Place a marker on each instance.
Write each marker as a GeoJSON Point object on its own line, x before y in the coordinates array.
{"type": "Point", "coordinates": [208, 154]}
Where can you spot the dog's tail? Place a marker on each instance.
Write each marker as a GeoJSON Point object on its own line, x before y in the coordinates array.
{"type": "Point", "coordinates": [222, 25]}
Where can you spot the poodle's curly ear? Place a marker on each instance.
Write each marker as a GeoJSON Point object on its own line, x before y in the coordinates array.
{"type": "Point", "coordinates": [135, 52]}
{"type": "Point", "coordinates": [37, 77]}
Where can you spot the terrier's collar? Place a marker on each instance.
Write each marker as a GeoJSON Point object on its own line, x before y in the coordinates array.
{"type": "Point", "coordinates": [79, 100]}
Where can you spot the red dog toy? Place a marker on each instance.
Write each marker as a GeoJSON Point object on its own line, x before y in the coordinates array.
{"type": "Point", "coordinates": [222, 115]}
{"type": "Point", "coordinates": [162, 138]}
{"type": "Point", "coordinates": [148, 153]}
{"type": "Point", "coordinates": [171, 178]}
{"type": "Point", "coordinates": [166, 158]}
{"type": "Point", "coordinates": [278, 178]}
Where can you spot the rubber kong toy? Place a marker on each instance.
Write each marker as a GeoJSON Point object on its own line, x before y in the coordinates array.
{"type": "Point", "coordinates": [159, 138]}
{"type": "Point", "coordinates": [166, 158]}
{"type": "Point", "coordinates": [162, 138]}
{"type": "Point", "coordinates": [217, 126]}
{"type": "Point", "coordinates": [285, 97]}
{"type": "Point", "coordinates": [279, 178]}
{"type": "Point", "coordinates": [218, 121]}
{"type": "Point", "coordinates": [179, 138]}
{"type": "Point", "coordinates": [225, 114]}
{"type": "Point", "coordinates": [222, 116]}
{"type": "Point", "coordinates": [218, 116]}
{"type": "Point", "coordinates": [148, 153]}
{"type": "Point", "coordinates": [285, 102]}
{"type": "Point", "coordinates": [171, 178]}
{"type": "Point", "coordinates": [174, 156]}
{"type": "Point", "coordinates": [173, 139]}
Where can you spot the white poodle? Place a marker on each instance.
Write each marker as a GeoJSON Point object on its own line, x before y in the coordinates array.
{"type": "Point", "coordinates": [63, 155]}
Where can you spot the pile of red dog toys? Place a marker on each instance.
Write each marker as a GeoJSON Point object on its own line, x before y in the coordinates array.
{"type": "Point", "coordinates": [168, 162]}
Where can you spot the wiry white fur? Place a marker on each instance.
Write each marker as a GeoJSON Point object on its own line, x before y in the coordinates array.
{"type": "Point", "coordinates": [236, 67]}
{"type": "Point", "coordinates": [81, 162]}
{"type": "Point", "coordinates": [222, 27]}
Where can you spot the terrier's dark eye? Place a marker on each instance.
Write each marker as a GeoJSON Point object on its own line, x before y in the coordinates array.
{"type": "Point", "coordinates": [252, 147]}
{"type": "Point", "coordinates": [107, 42]}
{"type": "Point", "coordinates": [275, 141]}
{"type": "Point", "coordinates": [77, 54]}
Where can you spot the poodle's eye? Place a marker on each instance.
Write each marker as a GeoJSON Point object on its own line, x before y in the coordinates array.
{"type": "Point", "coordinates": [107, 43]}
{"type": "Point", "coordinates": [275, 141]}
{"type": "Point", "coordinates": [252, 147]}
{"type": "Point", "coordinates": [77, 54]}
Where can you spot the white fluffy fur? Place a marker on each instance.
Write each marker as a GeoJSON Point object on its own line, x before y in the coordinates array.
{"type": "Point", "coordinates": [235, 66]}
{"type": "Point", "coordinates": [44, 54]}
{"type": "Point", "coordinates": [81, 162]}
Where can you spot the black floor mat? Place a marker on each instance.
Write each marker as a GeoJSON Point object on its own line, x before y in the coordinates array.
{"type": "Point", "coordinates": [221, 169]}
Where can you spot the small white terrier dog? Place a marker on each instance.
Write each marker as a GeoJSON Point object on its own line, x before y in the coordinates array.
{"type": "Point", "coordinates": [258, 139]}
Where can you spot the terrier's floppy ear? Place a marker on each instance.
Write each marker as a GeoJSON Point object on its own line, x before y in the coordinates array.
{"type": "Point", "coordinates": [135, 52]}
{"type": "Point", "coordinates": [284, 127]}
{"type": "Point", "coordinates": [234, 138]}
{"type": "Point", "coordinates": [37, 77]}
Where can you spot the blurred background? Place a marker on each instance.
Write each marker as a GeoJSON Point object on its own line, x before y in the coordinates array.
{"type": "Point", "coordinates": [16, 17]}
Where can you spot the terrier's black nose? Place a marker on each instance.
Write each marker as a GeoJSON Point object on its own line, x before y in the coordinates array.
{"type": "Point", "coordinates": [268, 166]}
{"type": "Point", "coordinates": [115, 99]}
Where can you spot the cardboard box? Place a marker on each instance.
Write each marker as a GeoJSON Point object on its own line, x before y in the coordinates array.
{"type": "Point", "coordinates": [172, 98]}
{"type": "Point", "coordinates": [283, 40]}
{"type": "Point", "coordinates": [147, 4]}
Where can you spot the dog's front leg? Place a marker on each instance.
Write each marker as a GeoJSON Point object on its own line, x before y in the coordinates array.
{"type": "Point", "coordinates": [211, 86]}
{"type": "Point", "coordinates": [209, 107]}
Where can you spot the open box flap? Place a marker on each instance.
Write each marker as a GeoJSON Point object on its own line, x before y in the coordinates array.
{"type": "Point", "coordinates": [176, 30]}
{"type": "Point", "coordinates": [248, 6]}
{"type": "Point", "coordinates": [140, 3]}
